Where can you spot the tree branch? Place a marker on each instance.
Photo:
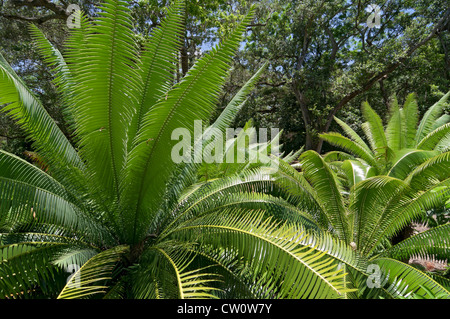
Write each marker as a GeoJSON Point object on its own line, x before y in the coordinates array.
{"type": "Point", "coordinates": [38, 20]}
{"type": "Point", "coordinates": [383, 74]}
{"type": "Point", "coordinates": [58, 12]}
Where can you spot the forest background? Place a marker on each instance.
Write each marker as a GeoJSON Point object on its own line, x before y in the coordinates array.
{"type": "Point", "coordinates": [325, 58]}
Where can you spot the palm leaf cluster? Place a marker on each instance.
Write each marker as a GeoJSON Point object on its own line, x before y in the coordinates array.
{"type": "Point", "coordinates": [115, 212]}
{"type": "Point", "coordinates": [369, 215]}
{"type": "Point", "coordinates": [396, 148]}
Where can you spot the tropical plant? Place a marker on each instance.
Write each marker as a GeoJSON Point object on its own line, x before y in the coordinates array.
{"type": "Point", "coordinates": [395, 149]}
{"type": "Point", "coordinates": [368, 216]}
{"type": "Point", "coordinates": [114, 208]}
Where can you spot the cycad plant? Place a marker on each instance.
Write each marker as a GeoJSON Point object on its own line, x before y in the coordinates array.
{"type": "Point", "coordinates": [369, 215]}
{"type": "Point", "coordinates": [396, 148]}
{"type": "Point", "coordinates": [112, 206]}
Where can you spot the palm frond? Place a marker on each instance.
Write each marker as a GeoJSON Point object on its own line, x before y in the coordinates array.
{"type": "Point", "coordinates": [105, 77]}
{"type": "Point", "coordinates": [395, 128]}
{"type": "Point", "coordinates": [158, 64]}
{"type": "Point", "coordinates": [369, 201]}
{"type": "Point", "coordinates": [29, 113]}
{"type": "Point", "coordinates": [275, 252]}
{"type": "Point", "coordinates": [411, 115]}
{"type": "Point", "coordinates": [25, 267]}
{"type": "Point", "coordinates": [347, 144]}
{"type": "Point", "coordinates": [55, 60]}
{"type": "Point", "coordinates": [325, 184]}
{"type": "Point", "coordinates": [29, 205]}
{"type": "Point", "coordinates": [407, 160]}
{"type": "Point", "coordinates": [215, 194]}
{"type": "Point", "coordinates": [429, 118]}
{"type": "Point", "coordinates": [374, 130]}
{"type": "Point", "coordinates": [432, 139]}
{"type": "Point", "coordinates": [407, 279]}
{"type": "Point", "coordinates": [352, 134]}
{"type": "Point", "coordinates": [150, 163]}
{"type": "Point", "coordinates": [92, 277]}
{"type": "Point", "coordinates": [357, 171]}
{"type": "Point", "coordinates": [228, 115]}
{"type": "Point", "coordinates": [430, 172]}
{"type": "Point", "coordinates": [434, 242]}
{"type": "Point", "coordinates": [170, 273]}
{"type": "Point", "coordinates": [401, 211]}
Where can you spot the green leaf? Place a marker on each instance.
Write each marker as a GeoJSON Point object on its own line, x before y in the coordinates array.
{"type": "Point", "coordinates": [325, 184]}
{"type": "Point", "coordinates": [411, 114]}
{"type": "Point", "coordinates": [105, 78]}
{"type": "Point", "coordinates": [347, 144]}
{"type": "Point", "coordinates": [92, 277]}
{"type": "Point", "coordinates": [430, 118]}
{"type": "Point", "coordinates": [158, 64]}
{"type": "Point", "coordinates": [357, 171]}
{"type": "Point", "coordinates": [408, 279]}
{"type": "Point", "coordinates": [374, 130]}
{"type": "Point", "coordinates": [23, 106]}
{"type": "Point", "coordinates": [149, 165]}
{"type": "Point", "coordinates": [273, 251]}
{"type": "Point", "coordinates": [408, 159]}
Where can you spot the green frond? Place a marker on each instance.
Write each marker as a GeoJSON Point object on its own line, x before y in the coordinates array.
{"type": "Point", "coordinates": [411, 115]}
{"type": "Point", "coordinates": [350, 146]}
{"type": "Point", "coordinates": [296, 190]}
{"type": "Point", "coordinates": [336, 156]}
{"type": "Point", "coordinates": [369, 202]}
{"type": "Point", "coordinates": [407, 160]}
{"type": "Point", "coordinates": [158, 64]}
{"type": "Point", "coordinates": [429, 118]}
{"type": "Point", "coordinates": [227, 116]}
{"type": "Point", "coordinates": [327, 188]}
{"type": "Point", "coordinates": [432, 139]}
{"type": "Point", "coordinates": [430, 172]}
{"type": "Point", "coordinates": [357, 171]}
{"type": "Point", "coordinates": [374, 130]}
{"type": "Point", "coordinates": [236, 280]}
{"type": "Point", "coordinates": [215, 194]}
{"type": "Point", "coordinates": [16, 168]}
{"type": "Point", "coordinates": [105, 77]}
{"type": "Point", "coordinates": [54, 59]}
{"type": "Point", "coordinates": [25, 267]}
{"type": "Point", "coordinates": [395, 128]}
{"type": "Point", "coordinates": [293, 156]}
{"type": "Point", "coordinates": [173, 274]}
{"type": "Point", "coordinates": [442, 120]}
{"type": "Point", "coordinates": [76, 255]}
{"type": "Point", "coordinates": [352, 134]}
{"type": "Point", "coordinates": [405, 279]}
{"type": "Point", "coordinates": [92, 277]}
{"type": "Point", "coordinates": [433, 242]}
{"type": "Point", "coordinates": [404, 209]}
{"type": "Point", "coordinates": [22, 203]}
{"type": "Point", "coordinates": [275, 252]}
{"type": "Point", "coordinates": [149, 163]}
{"type": "Point", "coordinates": [30, 114]}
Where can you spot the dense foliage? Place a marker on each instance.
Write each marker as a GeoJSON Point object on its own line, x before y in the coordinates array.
{"type": "Point", "coordinates": [100, 193]}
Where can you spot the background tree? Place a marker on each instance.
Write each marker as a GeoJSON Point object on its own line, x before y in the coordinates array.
{"type": "Point", "coordinates": [205, 22]}
{"type": "Point", "coordinates": [326, 60]}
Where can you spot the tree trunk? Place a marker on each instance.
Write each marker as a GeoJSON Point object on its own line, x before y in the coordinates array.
{"type": "Point", "coordinates": [305, 115]}
{"type": "Point", "coordinates": [184, 60]}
